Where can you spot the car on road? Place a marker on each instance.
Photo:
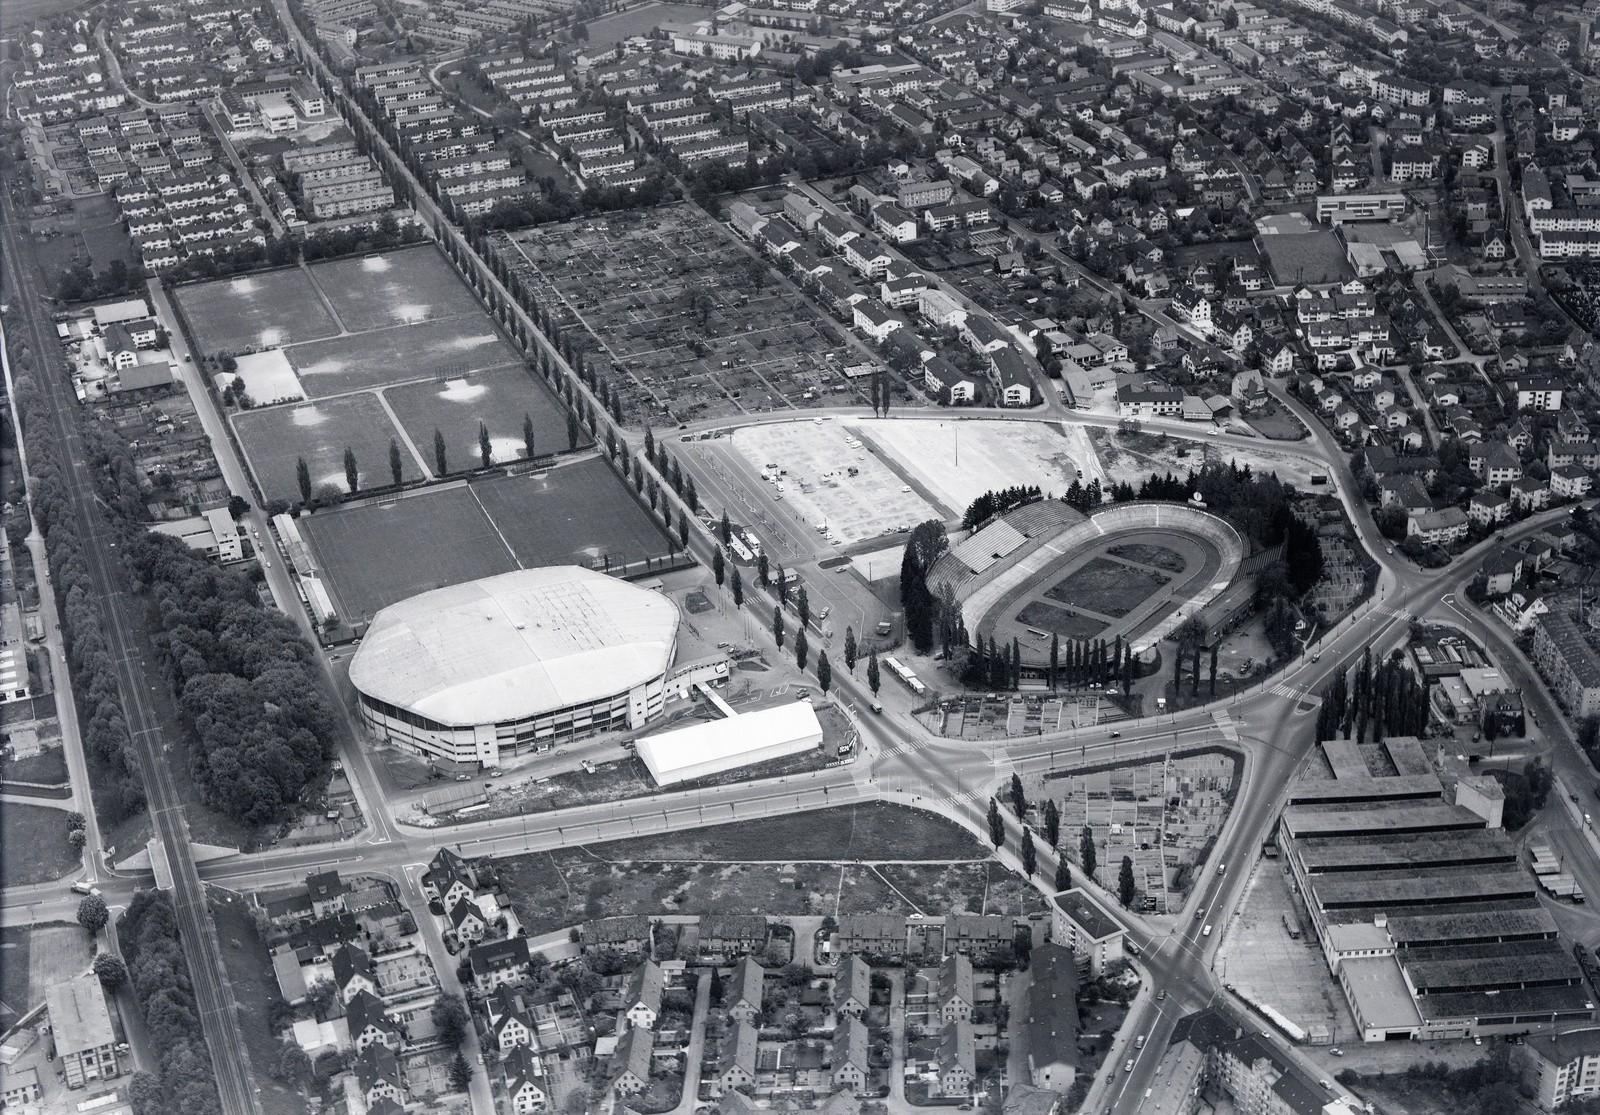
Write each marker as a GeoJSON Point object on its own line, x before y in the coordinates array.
{"type": "Point", "coordinates": [1200, 913]}
{"type": "Point", "coordinates": [1162, 994]}
{"type": "Point", "coordinates": [1128, 1067]}
{"type": "Point", "coordinates": [1388, 550]}
{"type": "Point", "coordinates": [1337, 1052]}
{"type": "Point", "coordinates": [1222, 869]}
{"type": "Point", "coordinates": [1116, 735]}
{"type": "Point", "coordinates": [1206, 932]}
{"type": "Point", "coordinates": [588, 767]}
{"type": "Point", "coordinates": [1317, 657]}
{"type": "Point", "coordinates": [84, 888]}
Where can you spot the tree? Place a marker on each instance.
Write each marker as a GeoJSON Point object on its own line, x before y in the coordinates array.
{"type": "Point", "coordinates": [738, 588]}
{"type": "Point", "coordinates": [92, 913]}
{"type": "Point", "coordinates": [527, 435]}
{"type": "Point", "coordinates": [802, 606]}
{"type": "Point", "coordinates": [725, 529]}
{"type": "Point", "coordinates": [777, 625]}
{"type": "Point", "coordinates": [1030, 857]}
{"type": "Point", "coordinates": [293, 1065]}
{"type": "Point", "coordinates": [450, 1019]}
{"type": "Point", "coordinates": [683, 531]}
{"type": "Point", "coordinates": [873, 677]}
{"type": "Point", "coordinates": [763, 570]}
{"type": "Point", "coordinates": [802, 648]}
{"type": "Point", "coordinates": [1086, 851]}
{"type": "Point", "coordinates": [1055, 658]}
{"type": "Point", "coordinates": [850, 650]}
{"type": "Point", "coordinates": [997, 824]}
{"type": "Point", "coordinates": [927, 543]}
{"type": "Point", "coordinates": [460, 1073]}
{"type": "Point", "coordinates": [1019, 796]}
{"type": "Point", "coordinates": [352, 474]}
{"type": "Point", "coordinates": [302, 476]}
{"type": "Point", "coordinates": [573, 432]}
{"type": "Point", "coordinates": [1063, 874]}
{"type": "Point", "coordinates": [1214, 670]}
{"type": "Point", "coordinates": [485, 445]}
{"type": "Point", "coordinates": [824, 671]}
{"type": "Point", "coordinates": [1126, 889]}
{"type": "Point", "coordinates": [719, 568]}
{"type": "Point", "coordinates": [440, 464]}
{"type": "Point", "coordinates": [1052, 822]}
{"type": "Point", "coordinates": [112, 972]}
{"type": "Point", "coordinates": [238, 506]}
{"type": "Point", "coordinates": [397, 470]}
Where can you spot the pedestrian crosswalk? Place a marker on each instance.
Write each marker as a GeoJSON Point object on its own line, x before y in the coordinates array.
{"type": "Point", "coordinates": [1391, 613]}
{"type": "Point", "coordinates": [1295, 693]}
{"type": "Point", "coordinates": [1225, 725]}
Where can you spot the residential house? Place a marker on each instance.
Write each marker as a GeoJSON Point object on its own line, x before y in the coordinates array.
{"type": "Point", "coordinates": [630, 935]}
{"type": "Point", "coordinates": [641, 997]}
{"type": "Point", "coordinates": [630, 1063]}
{"type": "Point", "coordinates": [956, 1063]}
{"type": "Point", "coordinates": [327, 893]}
{"type": "Point", "coordinates": [740, 1061]}
{"type": "Point", "coordinates": [509, 1023]}
{"type": "Point", "coordinates": [1049, 1018]}
{"type": "Point", "coordinates": [1488, 508]}
{"type": "Point", "coordinates": [852, 986]}
{"type": "Point", "coordinates": [1438, 528]}
{"type": "Point", "coordinates": [1079, 923]}
{"type": "Point", "coordinates": [525, 1083]}
{"type": "Point", "coordinates": [850, 1069]}
{"type": "Point", "coordinates": [870, 935]}
{"type": "Point", "coordinates": [367, 1022]}
{"type": "Point", "coordinates": [498, 962]}
{"type": "Point", "coordinates": [80, 1028]}
{"type": "Point", "coordinates": [1567, 659]}
{"type": "Point", "coordinates": [378, 1076]}
{"type": "Point", "coordinates": [954, 997]}
{"type": "Point", "coordinates": [352, 972]}
{"type": "Point", "coordinates": [745, 989]}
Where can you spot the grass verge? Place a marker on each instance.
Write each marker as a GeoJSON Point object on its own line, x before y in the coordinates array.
{"type": "Point", "coordinates": [33, 845]}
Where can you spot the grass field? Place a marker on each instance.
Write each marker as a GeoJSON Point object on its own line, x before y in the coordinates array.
{"type": "Point", "coordinates": [499, 399]}
{"type": "Point", "coordinates": [49, 767]}
{"type": "Point", "coordinates": [454, 346]}
{"type": "Point", "coordinates": [33, 844]}
{"type": "Point", "coordinates": [608, 32]}
{"type": "Point", "coordinates": [396, 288]}
{"type": "Point", "coordinates": [1058, 621]}
{"type": "Point", "coordinates": [1107, 588]}
{"type": "Point", "coordinates": [275, 439]}
{"type": "Point", "coordinates": [15, 949]}
{"type": "Point", "coordinates": [872, 831]}
{"type": "Point", "coordinates": [580, 513]}
{"type": "Point", "coordinates": [378, 554]}
{"type": "Point", "coordinates": [1158, 557]}
{"type": "Point", "coordinates": [34, 957]}
{"type": "Point", "coordinates": [20, 12]}
{"type": "Point", "coordinates": [255, 311]}
{"type": "Point", "coordinates": [253, 988]}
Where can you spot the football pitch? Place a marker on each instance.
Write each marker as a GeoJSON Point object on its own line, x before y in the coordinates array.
{"type": "Point", "coordinates": [451, 346]}
{"type": "Point", "coordinates": [275, 439]}
{"type": "Point", "coordinates": [499, 399]}
{"type": "Point", "coordinates": [379, 553]}
{"type": "Point", "coordinates": [395, 288]}
{"type": "Point", "coordinates": [259, 311]}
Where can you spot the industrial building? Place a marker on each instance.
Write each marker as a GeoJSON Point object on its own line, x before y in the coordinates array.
{"type": "Point", "coordinates": [1423, 914]}
{"type": "Point", "coordinates": [740, 740]}
{"type": "Point", "coordinates": [80, 1027]}
{"type": "Point", "coordinates": [515, 662]}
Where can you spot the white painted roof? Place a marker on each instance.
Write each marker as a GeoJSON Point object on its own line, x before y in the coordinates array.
{"type": "Point", "coordinates": [514, 645]}
{"type": "Point", "coordinates": [731, 742]}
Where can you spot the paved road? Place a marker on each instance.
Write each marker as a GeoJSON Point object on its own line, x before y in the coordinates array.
{"type": "Point", "coordinates": [138, 677]}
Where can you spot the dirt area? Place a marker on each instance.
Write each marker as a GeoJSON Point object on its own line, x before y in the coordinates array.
{"type": "Point", "coordinates": [1132, 457]}
{"type": "Point", "coordinates": [957, 461]}
{"type": "Point", "coordinates": [254, 988]}
{"type": "Point", "coordinates": [1277, 424]}
{"type": "Point", "coordinates": [1266, 965]}
{"type": "Point", "coordinates": [831, 481]}
{"type": "Point", "coordinates": [33, 844]}
{"type": "Point", "coordinates": [979, 717]}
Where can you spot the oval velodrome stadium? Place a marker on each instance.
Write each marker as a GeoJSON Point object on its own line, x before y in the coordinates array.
{"type": "Point", "coordinates": [1131, 569]}
{"type": "Point", "coordinates": [511, 663]}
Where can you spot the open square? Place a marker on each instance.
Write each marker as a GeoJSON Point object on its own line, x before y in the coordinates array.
{"type": "Point", "coordinates": [499, 399]}
{"type": "Point", "coordinates": [395, 288]}
{"type": "Point", "coordinates": [274, 440]}
{"type": "Point", "coordinates": [451, 347]}
{"type": "Point", "coordinates": [684, 319]}
{"type": "Point", "coordinates": [1107, 588]}
{"type": "Point", "coordinates": [381, 553]}
{"type": "Point", "coordinates": [253, 312]}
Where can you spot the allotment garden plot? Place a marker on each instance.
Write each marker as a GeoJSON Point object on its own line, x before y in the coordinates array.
{"type": "Point", "coordinates": [692, 324]}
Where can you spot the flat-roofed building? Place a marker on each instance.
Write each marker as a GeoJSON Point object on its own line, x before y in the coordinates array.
{"type": "Point", "coordinates": [1081, 925]}
{"type": "Point", "coordinates": [1563, 1068]}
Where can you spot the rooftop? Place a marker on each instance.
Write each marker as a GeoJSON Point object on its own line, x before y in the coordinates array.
{"type": "Point", "coordinates": [1379, 993]}
{"type": "Point", "coordinates": [510, 646]}
{"type": "Point", "coordinates": [1319, 854]}
{"type": "Point", "coordinates": [79, 1019]}
{"type": "Point", "coordinates": [1086, 914]}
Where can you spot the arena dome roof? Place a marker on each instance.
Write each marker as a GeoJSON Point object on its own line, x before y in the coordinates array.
{"type": "Point", "coordinates": [513, 646]}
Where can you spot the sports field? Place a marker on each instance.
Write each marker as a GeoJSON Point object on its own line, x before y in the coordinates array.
{"type": "Point", "coordinates": [580, 514]}
{"type": "Point", "coordinates": [1059, 621]}
{"type": "Point", "coordinates": [499, 399]}
{"type": "Point", "coordinates": [1156, 557]}
{"type": "Point", "coordinates": [274, 439]}
{"type": "Point", "coordinates": [1106, 587]}
{"type": "Point", "coordinates": [576, 515]}
{"type": "Point", "coordinates": [379, 554]}
{"type": "Point", "coordinates": [957, 461]}
{"type": "Point", "coordinates": [255, 312]}
{"type": "Point", "coordinates": [395, 288]}
{"type": "Point", "coordinates": [450, 347]}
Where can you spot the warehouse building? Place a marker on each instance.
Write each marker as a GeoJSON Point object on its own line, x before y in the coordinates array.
{"type": "Point", "coordinates": [736, 741]}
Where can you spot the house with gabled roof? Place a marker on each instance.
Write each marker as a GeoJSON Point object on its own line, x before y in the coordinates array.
{"type": "Point", "coordinates": [850, 1069]}
{"type": "Point", "coordinates": [525, 1082]}
{"type": "Point", "coordinates": [641, 998]}
{"type": "Point", "coordinates": [956, 1063]}
{"type": "Point", "coordinates": [745, 990]}
{"type": "Point", "coordinates": [852, 986]}
{"type": "Point", "coordinates": [955, 997]}
{"type": "Point", "coordinates": [510, 1025]}
{"type": "Point", "coordinates": [740, 1057]}
{"type": "Point", "coordinates": [367, 1022]}
{"type": "Point", "coordinates": [378, 1075]}
{"type": "Point", "coordinates": [352, 972]}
